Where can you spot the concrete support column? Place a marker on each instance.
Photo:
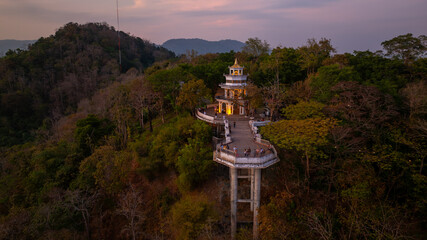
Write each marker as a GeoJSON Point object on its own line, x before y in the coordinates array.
{"type": "Point", "coordinates": [233, 201]}
{"type": "Point", "coordinates": [256, 201]}
{"type": "Point", "coordinates": [251, 172]}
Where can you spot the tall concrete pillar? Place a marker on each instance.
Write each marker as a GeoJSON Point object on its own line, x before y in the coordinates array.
{"type": "Point", "coordinates": [233, 201]}
{"type": "Point", "coordinates": [251, 172]}
{"type": "Point", "coordinates": [256, 201]}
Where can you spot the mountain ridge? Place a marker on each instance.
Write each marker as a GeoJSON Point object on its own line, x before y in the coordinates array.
{"type": "Point", "coordinates": [13, 44]}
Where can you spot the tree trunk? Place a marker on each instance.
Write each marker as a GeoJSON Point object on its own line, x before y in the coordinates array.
{"type": "Point", "coordinates": [307, 173]}
{"type": "Point", "coordinates": [141, 121]}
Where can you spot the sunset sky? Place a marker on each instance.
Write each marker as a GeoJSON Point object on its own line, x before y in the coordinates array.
{"type": "Point", "coordinates": [350, 24]}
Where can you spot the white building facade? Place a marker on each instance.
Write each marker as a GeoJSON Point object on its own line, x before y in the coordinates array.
{"type": "Point", "coordinates": [233, 102]}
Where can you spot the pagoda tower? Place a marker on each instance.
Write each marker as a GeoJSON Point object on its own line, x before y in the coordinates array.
{"type": "Point", "coordinates": [234, 91]}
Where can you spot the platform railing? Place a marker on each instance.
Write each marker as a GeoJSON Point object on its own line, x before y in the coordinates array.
{"type": "Point", "coordinates": [232, 159]}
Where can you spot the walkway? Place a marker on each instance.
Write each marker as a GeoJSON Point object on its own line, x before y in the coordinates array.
{"type": "Point", "coordinates": [242, 136]}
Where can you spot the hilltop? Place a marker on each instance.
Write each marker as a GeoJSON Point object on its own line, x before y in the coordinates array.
{"type": "Point", "coordinates": [181, 45]}
{"type": "Point", "coordinates": [50, 78]}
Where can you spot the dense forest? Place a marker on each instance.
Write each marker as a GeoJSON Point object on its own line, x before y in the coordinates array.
{"type": "Point", "coordinates": [91, 149]}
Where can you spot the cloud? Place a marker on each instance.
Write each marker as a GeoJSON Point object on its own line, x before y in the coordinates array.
{"type": "Point", "coordinates": [287, 22]}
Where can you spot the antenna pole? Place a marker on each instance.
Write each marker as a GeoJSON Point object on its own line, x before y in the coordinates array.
{"type": "Point", "coordinates": [118, 34]}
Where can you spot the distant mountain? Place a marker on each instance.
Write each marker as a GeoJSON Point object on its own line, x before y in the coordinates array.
{"type": "Point", "coordinates": [11, 44]}
{"type": "Point", "coordinates": [180, 46]}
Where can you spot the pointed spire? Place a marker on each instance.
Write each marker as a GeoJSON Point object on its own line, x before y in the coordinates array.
{"type": "Point", "coordinates": [236, 64]}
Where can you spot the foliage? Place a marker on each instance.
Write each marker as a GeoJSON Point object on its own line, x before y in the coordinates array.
{"type": "Point", "coordinates": [274, 97]}
{"type": "Point", "coordinates": [90, 131]}
{"type": "Point", "coordinates": [48, 80]}
{"type": "Point", "coordinates": [305, 135]}
{"type": "Point", "coordinates": [194, 164]}
{"type": "Point", "coordinates": [329, 76]}
{"type": "Point", "coordinates": [355, 125]}
{"type": "Point", "coordinates": [285, 62]}
{"type": "Point", "coordinates": [161, 149]}
{"type": "Point", "coordinates": [105, 168]}
{"type": "Point", "coordinates": [256, 47]}
{"type": "Point", "coordinates": [406, 47]}
{"type": "Point", "coordinates": [389, 75]}
{"type": "Point", "coordinates": [314, 53]}
{"type": "Point", "coordinates": [190, 215]}
{"type": "Point", "coordinates": [193, 94]}
{"type": "Point", "coordinates": [303, 110]}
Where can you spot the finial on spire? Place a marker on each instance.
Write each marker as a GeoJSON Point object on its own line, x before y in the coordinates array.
{"type": "Point", "coordinates": [236, 64]}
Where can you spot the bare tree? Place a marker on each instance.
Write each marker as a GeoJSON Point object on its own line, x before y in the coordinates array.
{"type": "Point", "coordinates": [416, 99]}
{"type": "Point", "coordinates": [83, 201]}
{"type": "Point", "coordinates": [130, 204]}
{"type": "Point", "coordinates": [145, 99]}
{"type": "Point", "coordinates": [274, 95]}
{"type": "Point", "coordinates": [321, 226]}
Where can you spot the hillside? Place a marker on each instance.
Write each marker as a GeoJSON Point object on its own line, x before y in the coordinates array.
{"type": "Point", "coordinates": [180, 46]}
{"type": "Point", "coordinates": [55, 73]}
{"type": "Point", "coordinates": [109, 154]}
{"type": "Point", "coordinates": [11, 44]}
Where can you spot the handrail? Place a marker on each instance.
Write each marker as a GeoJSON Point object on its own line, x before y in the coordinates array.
{"type": "Point", "coordinates": [230, 158]}
{"type": "Point", "coordinates": [207, 118]}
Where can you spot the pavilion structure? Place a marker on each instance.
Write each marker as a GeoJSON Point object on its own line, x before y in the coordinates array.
{"type": "Point", "coordinates": [232, 102]}
{"type": "Point", "coordinates": [232, 108]}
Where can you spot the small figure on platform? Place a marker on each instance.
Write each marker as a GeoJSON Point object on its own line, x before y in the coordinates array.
{"type": "Point", "coordinates": [256, 152]}
{"type": "Point", "coordinates": [249, 152]}
{"type": "Point", "coordinates": [234, 124]}
{"type": "Point", "coordinates": [261, 151]}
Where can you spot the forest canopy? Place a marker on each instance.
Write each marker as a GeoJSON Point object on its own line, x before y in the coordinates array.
{"type": "Point", "coordinates": [91, 149]}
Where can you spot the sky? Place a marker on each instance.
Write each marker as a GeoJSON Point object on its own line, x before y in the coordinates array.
{"type": "Point", "coordinates": [350, 24]}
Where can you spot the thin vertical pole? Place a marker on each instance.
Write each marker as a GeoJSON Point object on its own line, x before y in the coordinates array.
{"type": "Point", "coordinates": [233, 201]}
{"type": "Point", "coordinates": [118, 34]}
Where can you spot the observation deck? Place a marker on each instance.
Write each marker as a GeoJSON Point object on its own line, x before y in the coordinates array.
{"type": "Point", "coordinates": [243, 136]}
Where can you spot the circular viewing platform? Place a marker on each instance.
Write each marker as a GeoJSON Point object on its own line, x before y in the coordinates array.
{"type": "Point", "coordinates": [241, 134]}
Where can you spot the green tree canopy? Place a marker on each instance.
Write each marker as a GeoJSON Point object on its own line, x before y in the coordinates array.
{"type": "Point", "coordinates": [194, 93]}
{"type": "Point", "coordinates": [406, 47]}
{"type": "Point", "coordinates": [256, 47]}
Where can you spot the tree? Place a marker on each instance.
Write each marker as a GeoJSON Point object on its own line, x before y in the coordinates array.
{"type": "Point", "coordinates": [303, 110]}
{"type": "Point", "coordinates": [145, 99]}
{"type": "Point", "coordinates": [305, 136]}
{"type": "Point", "coordinates": [83, 202]}
{"type": "Point", "coordinates": [314, 53]}
{"type": "Point", "coordinates": [256, 47]}
{"type": "Point", "coordinates": [194, 93]}
{"type": "Point", "coordinates": [286, 62]}
{"type": "Point", "coordinates": [364, 107]}
{"type": "Point", "coordinates": [416, 100]}
{"type": "Point", "coordinates": [274, 95]}
{"type": "Point", "coordinates": [406, 47]}
{"type": "Point", "coordinates": [90, 131]}
{"type": "Point", "coordinates": [106, 168]}
{"type": "Point", "coordinates": [329, 76]}
{"type": "Point", "coordinates": [130, 204]}
{"type": "Point", "coordinates": [191, 215]}
{"type": "Point", "coordinates": [254, 97]}
{"type": "Point", "coordinates": [194, 164]}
